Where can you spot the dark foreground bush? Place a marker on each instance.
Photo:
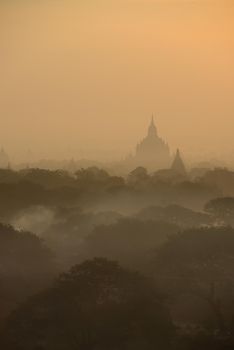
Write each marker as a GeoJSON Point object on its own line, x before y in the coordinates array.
{"type": "Point", "coordinates": [97, 305]}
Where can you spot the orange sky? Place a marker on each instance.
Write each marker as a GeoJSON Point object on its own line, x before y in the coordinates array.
{"type": "Point", "coordinates": [81, 78]}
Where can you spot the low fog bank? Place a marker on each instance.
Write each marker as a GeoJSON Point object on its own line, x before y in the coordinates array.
{"type": "Point", "coordinates": [66, 210]}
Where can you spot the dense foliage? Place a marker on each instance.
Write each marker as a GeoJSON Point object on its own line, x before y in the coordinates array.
{"type": "Point", "coordinates": [176, 230]}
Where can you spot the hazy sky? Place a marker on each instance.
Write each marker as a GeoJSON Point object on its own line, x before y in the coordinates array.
{"type": "Point", "coordinates": [82, 77]}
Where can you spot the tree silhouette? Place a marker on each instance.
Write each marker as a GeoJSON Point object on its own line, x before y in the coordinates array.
{"type": "Point", "coordinates": [200, 262]}
{"type": "Point", "coordinates": [97, 305]}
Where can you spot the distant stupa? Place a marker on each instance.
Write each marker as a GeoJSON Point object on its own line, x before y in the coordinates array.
{"type": "Point", "coordinates": [4, 159]}
{"type": "Point", "coordinates": [178, 164]}
{"type": "Point", "coordinates": [152, 152]}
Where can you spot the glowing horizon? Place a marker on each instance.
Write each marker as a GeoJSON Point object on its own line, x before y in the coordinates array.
{"type": "Point", "coordinates": [86, 77]}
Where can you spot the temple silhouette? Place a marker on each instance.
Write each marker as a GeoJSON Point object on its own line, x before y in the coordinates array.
{"type": "Point", "coordinates": [153, 153]}
{"type": "Point", "coordinates": [153, 150]}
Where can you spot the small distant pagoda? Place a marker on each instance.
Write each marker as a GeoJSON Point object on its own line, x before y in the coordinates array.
{"type": "Point", "coordinates": [4, 159]}
{"type": "Point", "coordinates": [178, 164]}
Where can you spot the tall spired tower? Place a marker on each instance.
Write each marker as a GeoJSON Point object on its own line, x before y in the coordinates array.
{"type": "Point", "coordinates": [152, 152]}
{"type": "Point", "coordinates": [178, 164]}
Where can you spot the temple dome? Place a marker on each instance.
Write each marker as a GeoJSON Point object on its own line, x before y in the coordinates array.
{"type": "Point", "coordinates": [153, 152]}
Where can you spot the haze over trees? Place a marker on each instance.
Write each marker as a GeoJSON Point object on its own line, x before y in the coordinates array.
{"type": "Point", "coordinates": [116, 225]}
{"type": "Point", "coordinates": [101, 229]}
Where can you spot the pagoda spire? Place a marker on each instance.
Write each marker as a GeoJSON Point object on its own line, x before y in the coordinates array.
{"type": "Point", "coordinates": [178, 164]}
{"type": "Point", "coordinates": [152, 130]}
{"type": "Point", "coordinates": [153, 120]}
